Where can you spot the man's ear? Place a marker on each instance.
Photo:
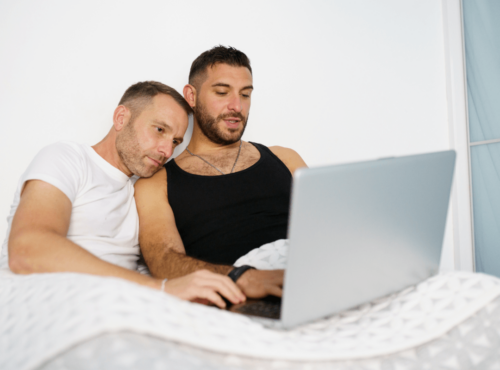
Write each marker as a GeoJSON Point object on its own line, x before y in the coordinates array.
{"type": "Point", "coordinates": [121, 117]}
{"type": "Point", "coordinates": [190, 94]}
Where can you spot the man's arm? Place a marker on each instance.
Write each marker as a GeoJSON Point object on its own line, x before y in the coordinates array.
{"type": "Point", "coordinates": [160, 242]}
{"type": "Point", "coordinates": [289, 157]}
{"type": "Point", "coordinates": [38, 243]}
{"type": "Point", "coordinates": [164, 251]}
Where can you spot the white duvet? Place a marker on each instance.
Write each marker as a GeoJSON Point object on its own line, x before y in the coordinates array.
{"type": "Point", "coordinates": [43, 315]}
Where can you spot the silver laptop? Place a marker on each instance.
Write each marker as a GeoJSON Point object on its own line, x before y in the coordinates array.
{"type": "Point", "coordinates": [361, 231]}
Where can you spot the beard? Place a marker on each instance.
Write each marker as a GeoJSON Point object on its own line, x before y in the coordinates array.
{"type": "Point", "coordinates": [131, 154]}
{"type": "Point", "coordinates": [209, 127]}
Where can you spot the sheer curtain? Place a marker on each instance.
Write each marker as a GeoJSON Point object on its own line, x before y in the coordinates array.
{"type": "Point", "coordinates": [482, 53]}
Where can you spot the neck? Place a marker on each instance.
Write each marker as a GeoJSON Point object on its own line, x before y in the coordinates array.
{"type": "Point", "coordinates": [106, 148]}
{"type": "Point", "coordinates": [199, 143]}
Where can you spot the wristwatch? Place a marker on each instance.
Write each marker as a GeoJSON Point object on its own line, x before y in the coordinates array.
{"type": "Point", "coordinates": [236, 273]}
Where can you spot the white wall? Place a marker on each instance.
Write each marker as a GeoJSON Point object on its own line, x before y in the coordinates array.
{"type": "Point", "coordinates": [337, 80]}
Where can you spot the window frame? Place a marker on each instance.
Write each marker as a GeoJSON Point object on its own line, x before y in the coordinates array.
{"type": "Point", "coordinates": [458, 123]}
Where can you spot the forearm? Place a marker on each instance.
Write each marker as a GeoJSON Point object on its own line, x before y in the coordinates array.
{"type": "Point", "coordinates": [253, 283]}
{"type": "Point", "coordinates": [42, 251]}
{"type": "Point", "coordinates": [174, 264]}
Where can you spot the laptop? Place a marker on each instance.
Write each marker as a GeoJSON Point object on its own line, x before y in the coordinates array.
{"type": "Point", "coordinates": [358, 232]}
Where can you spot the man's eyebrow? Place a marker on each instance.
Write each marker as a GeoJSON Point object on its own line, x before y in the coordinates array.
{"type": "Point", "coordinates": [163, 124]}
{"type": "Point", "coordinates": [221, 84]}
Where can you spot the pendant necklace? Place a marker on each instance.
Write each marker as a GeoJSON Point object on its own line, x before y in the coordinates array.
{"type": "Point", "coordinates": [210, 164]}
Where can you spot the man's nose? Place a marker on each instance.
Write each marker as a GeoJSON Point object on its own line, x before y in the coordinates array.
{"type": "Point", "coordinates": [235, 104]}
{"type": "Point", "coordinates": [166, 148]}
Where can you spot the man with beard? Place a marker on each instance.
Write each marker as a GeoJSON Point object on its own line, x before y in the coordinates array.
{"type": "Point", "coordinates": [74, 208]}
{"type": "Point", "coordinates": [222, 196]}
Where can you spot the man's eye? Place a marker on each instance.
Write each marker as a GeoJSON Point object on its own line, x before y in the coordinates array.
{"type": "Point", "coordinates": [220, 93]}
{"type": "Point", "coordinates": [159, 129]}
{"type": "Point", "coordinates": [245, 95]}
{"type": "Point", "coordinates": [175, 142]}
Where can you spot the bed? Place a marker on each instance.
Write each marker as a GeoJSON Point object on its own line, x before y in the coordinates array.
{"type": "Point", "coordinates": [77, 321]}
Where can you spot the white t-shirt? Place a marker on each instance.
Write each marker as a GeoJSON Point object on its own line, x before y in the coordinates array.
{"type": "Point", "coordinates": [104, 217]}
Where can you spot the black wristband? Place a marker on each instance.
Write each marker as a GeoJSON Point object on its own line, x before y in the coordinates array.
{"type": "Point", "coordinates": [236, 273]}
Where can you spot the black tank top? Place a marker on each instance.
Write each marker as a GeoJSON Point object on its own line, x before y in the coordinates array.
{"type": "Point", "coordinates": [221, 218]}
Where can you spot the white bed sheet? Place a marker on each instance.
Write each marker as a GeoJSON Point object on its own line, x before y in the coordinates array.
{"type": "Point", "coordinates": [473, 344]}
{"type": "Point", "coordinates": [44, 318]}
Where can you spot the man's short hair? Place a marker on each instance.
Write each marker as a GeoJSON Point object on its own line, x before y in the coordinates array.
{"type": "Point", "coordinates": [139, 95]}
{"type": "Point", "coordinates": [218, 54]}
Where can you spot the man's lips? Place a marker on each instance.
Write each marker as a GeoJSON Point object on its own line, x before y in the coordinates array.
{"type": "Point", "coordinates": [232, 122]}
{"type": "Point", "coordinates": [155, 162]}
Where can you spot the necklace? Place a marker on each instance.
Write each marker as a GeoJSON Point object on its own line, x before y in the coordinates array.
{"type": "Point", "coordinates": [207, 162]}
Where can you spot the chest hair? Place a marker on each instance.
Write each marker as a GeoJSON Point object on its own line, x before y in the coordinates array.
{"type": "Point", "coordinates": [224, 161]}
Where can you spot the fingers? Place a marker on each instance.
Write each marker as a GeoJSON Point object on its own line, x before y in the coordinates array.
{"type": "Point", "coordinates": [190, 289]}
{"type": "Point", "coordinates": [205, 285]}
{"type": "Point", "coordinates": [259, 283]}
{"type": "Point", "coordinates": [223, 285]}
{"type": "Point", "coordinates": [275, 290]}
{"type": "Point", "coordinates": [229, 288]}
{"type": "Point", "coordinates": [207, 294]}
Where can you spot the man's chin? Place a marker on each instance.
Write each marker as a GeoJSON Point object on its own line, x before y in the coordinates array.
{"type": "Point", "coordinates": [231, 136]}
{"type": "Point", "coordinates": [145, 173]}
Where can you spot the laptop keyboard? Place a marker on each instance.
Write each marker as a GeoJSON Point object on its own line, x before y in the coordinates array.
{"type": "Point", "coordinates": [269, 307]}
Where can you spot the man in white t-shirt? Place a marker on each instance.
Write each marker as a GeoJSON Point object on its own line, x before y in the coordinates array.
{"type": "Point", "coordinates": [74, 207]}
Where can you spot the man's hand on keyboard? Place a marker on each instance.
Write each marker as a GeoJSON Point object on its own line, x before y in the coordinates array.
{"type": "Point", "coordinates": [204, 286]}
{"type": "Point", "coordinates": [260, 283]}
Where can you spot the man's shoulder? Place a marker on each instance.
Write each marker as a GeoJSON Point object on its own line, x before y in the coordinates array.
{"type": "Point", "coordinates": [281, 150]}
{"type": "Point", "coordinates": [62, 154]}
{"type": "Point", "coordinates": [60, 164]}
{"type": "Point", "coordinates": [63, 150]}
{"type": "Point", "coordinates": [65, 145]}
{"type": "Point", "coordinates": [157, 181]}
{"type": "Point", "coordinates": [289, 157]}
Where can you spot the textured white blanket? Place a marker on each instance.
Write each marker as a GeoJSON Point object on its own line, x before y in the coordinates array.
{"type": "Point", "coordinates": [43, 315]}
